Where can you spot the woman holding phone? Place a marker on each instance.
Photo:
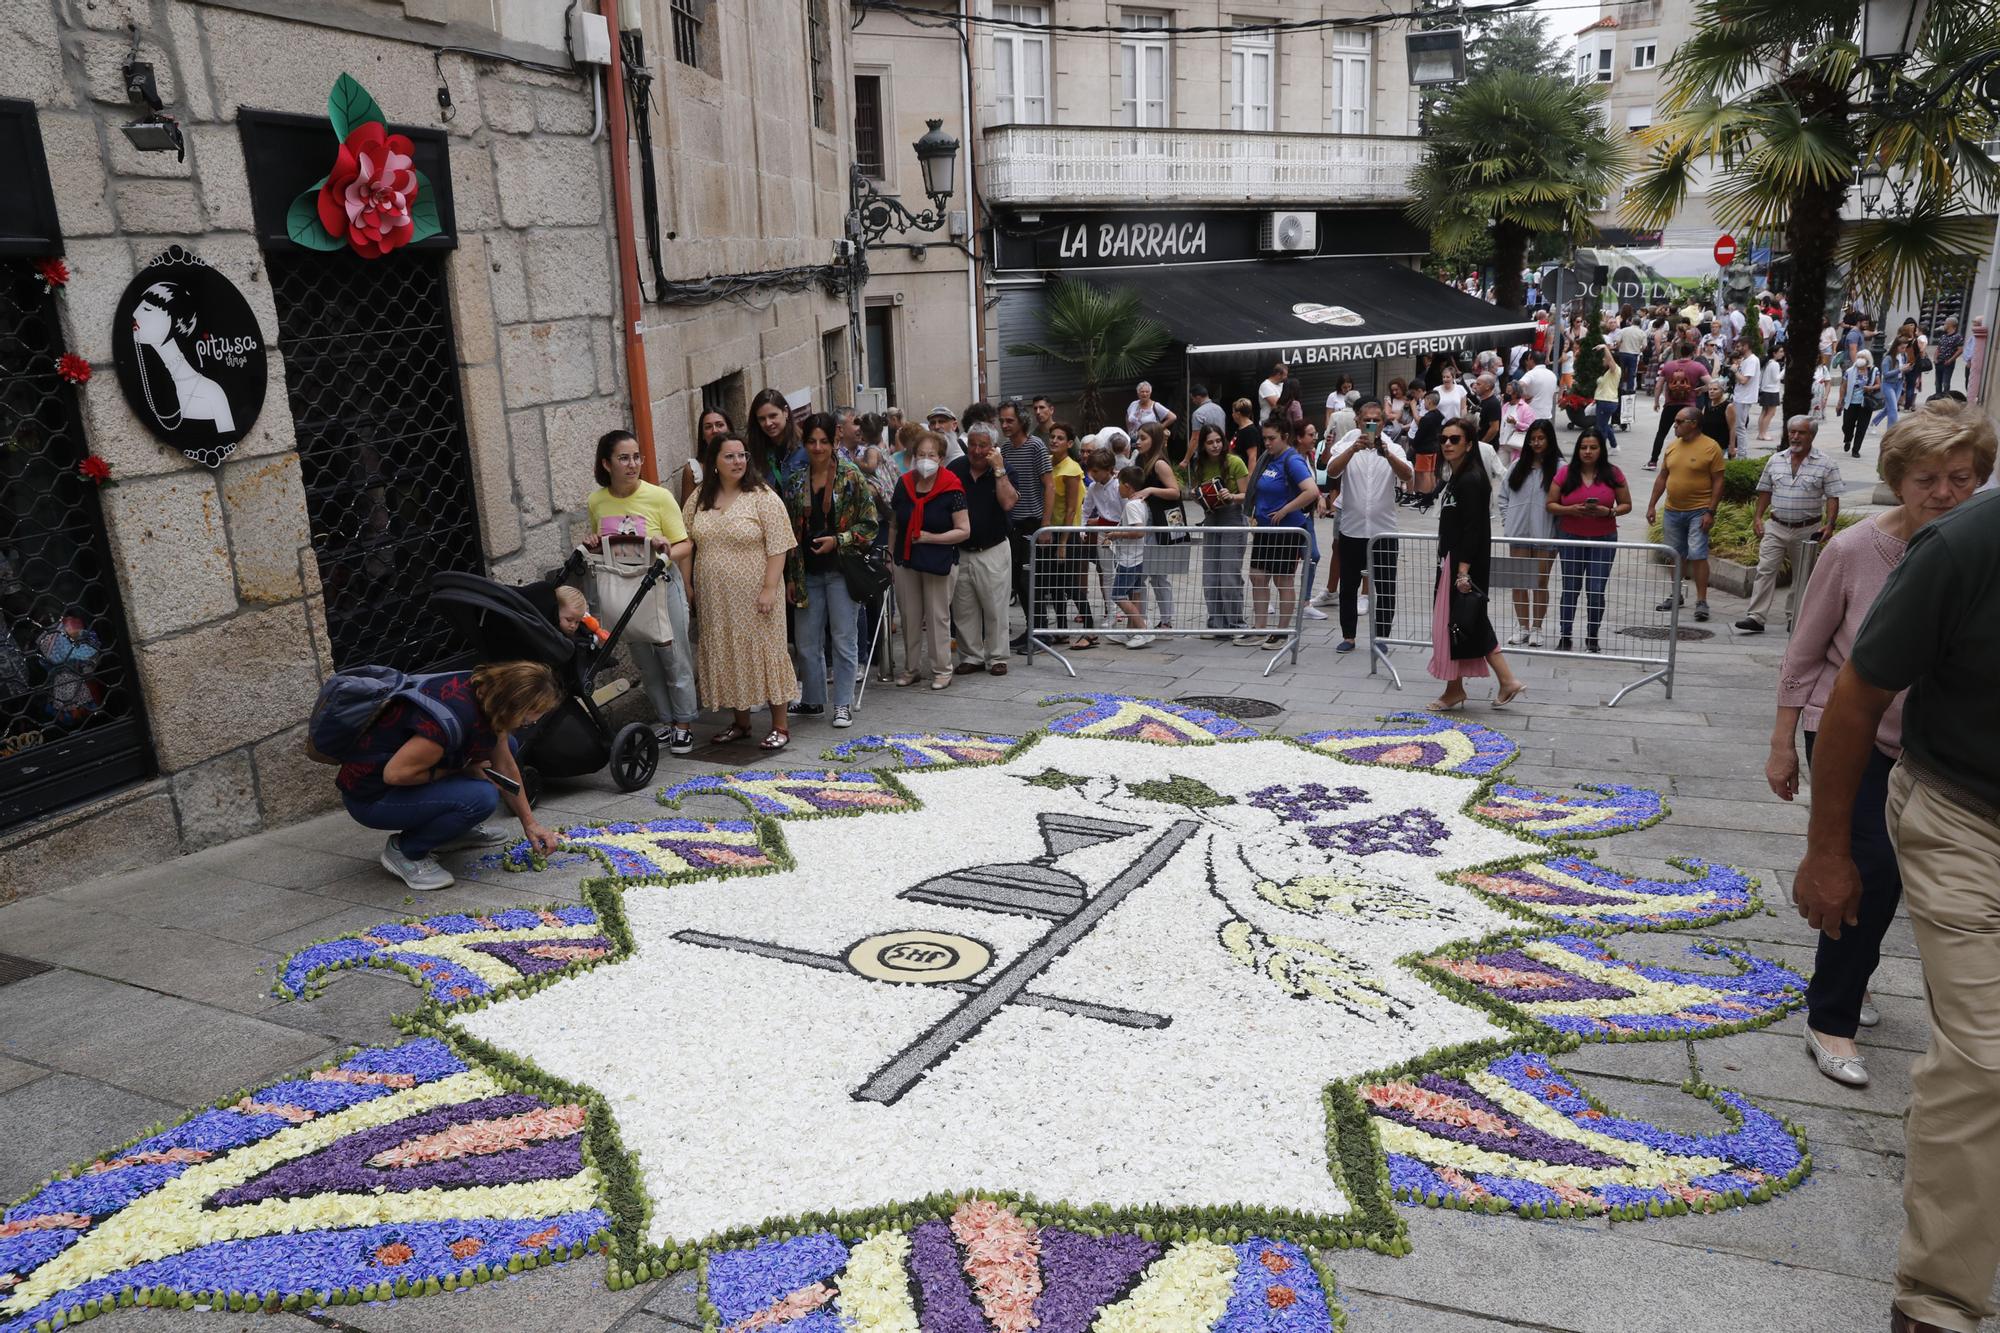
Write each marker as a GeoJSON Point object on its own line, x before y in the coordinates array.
{"type": "Point", "coordinates": [1587, 498]}
{"type": "Point", "coordinates": [1465, 540]}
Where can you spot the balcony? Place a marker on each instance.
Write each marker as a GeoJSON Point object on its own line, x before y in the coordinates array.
{"type": "Point", "coordinates": [1093, 164]}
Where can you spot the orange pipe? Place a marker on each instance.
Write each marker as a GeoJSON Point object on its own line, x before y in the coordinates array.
{"type": "Point", "coordinates": [629, 299]}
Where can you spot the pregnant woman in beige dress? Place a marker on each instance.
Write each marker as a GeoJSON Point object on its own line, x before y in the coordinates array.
{"type": "Point", "coordinates": [741, 532]}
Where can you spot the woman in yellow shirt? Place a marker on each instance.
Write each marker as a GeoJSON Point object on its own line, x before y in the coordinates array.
{"type": "Point", "coordinates": [1070, 568]}
{"type": "Point", "coordinates": [666, 668]}
{"type": "Point", "coordinates": [1608, 378]}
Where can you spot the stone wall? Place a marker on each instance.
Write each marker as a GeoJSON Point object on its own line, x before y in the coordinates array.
{"type": "Point", "coordinates": [215, 568]}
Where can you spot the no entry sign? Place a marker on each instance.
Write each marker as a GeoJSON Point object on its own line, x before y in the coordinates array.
{"type": "Point", "coordinates": [1725, 251]}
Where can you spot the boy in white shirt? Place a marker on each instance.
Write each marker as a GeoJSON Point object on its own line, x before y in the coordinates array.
{"type": "Point", "coordinates": [1102, 507]}
{"type": "Point", "coordinates": [1130, 544]}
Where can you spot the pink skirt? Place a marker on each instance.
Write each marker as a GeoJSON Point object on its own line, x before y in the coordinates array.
{"type": "Point", "coordinates": [1443, 665]}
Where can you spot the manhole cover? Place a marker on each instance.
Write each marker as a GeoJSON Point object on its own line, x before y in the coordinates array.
{"type": "Point", "coordinates": [14, 969]}
{"type": "Point", "coordinates": [1687, 633]}
{"type": "Point", "coordinates": [1231, 705]}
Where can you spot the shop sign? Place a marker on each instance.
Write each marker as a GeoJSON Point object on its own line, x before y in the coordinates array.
{"type": "Point", "coordinates": [1117, 239]}
{"type": "Point", "coordinates": [189, 355]}
{"type": "Point", "coordinates": [1374, 349]}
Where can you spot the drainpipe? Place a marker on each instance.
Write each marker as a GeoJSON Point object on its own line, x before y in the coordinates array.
{"type": "Point", "coordinates": [632, 308]}
{"type": "Point", "coordinates": [975, 331]}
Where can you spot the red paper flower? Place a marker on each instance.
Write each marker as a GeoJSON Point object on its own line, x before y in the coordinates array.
{"type": "Point", "coordinates": [93, 468]}
{"type": "Point", "coordinates": [1280, 1298]}
{"type": "Point", "coordinates": [369, 193]}
{"type": "Point", "coordinates": [73, 368]}
{"type": "Point", "coordinates": [54, 273]}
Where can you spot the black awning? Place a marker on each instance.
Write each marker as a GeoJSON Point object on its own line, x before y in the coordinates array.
{"type": "Point", "coordinates": [1309, 311]}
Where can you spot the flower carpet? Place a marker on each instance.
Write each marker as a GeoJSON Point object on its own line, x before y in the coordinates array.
{"type": "Point", "coordinates": [1127, 1024]}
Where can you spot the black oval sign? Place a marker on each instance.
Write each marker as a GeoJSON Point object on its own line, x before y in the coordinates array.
{"type": "Point", "coordinates": [189, 355]}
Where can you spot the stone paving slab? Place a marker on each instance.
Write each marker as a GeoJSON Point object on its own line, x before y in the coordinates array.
{"type": "Point", "coordinates": [63, 1119]}
{"type": "Point", "coordinates": [17, 1073]}
{"type": "Point", "coordinates": [158, 958]}
{"type": "Point", "coordinates": [145, 1042]}
{"type": "Point", "coordinates": [355, 1007]}
{"type": "Point", "coordinates": [1776, 1063]}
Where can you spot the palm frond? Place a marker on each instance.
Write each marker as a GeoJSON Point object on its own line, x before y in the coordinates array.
{"type": "Point", "coordinates": [1891, 255]}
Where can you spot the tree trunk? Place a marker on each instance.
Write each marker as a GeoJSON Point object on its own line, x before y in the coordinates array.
{"type": "Point", "coordinates": [1811, 233]}
{"type": "Point", "coordinates": [1510, 253]}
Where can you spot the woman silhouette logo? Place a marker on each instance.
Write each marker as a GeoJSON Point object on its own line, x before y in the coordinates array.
{"type": "Point", "coordinates": [190, 356]}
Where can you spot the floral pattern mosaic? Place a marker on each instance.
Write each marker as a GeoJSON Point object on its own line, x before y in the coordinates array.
{"type": "Point", "coordinates": [926, 749]}
{"type": "Point", "coordinates": [796, 791]}
{"type": "Point", "coordinates": [1575, 892]}
{"type": "Point", "coordinates": [456, 956]}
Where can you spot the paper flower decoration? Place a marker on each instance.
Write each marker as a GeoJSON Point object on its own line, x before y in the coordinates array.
{"type": "Point", "coordinates": [374, 200]}
{"type": "Point", "coordinates": [53, 273]}
{"type": "Point", "coordinates": [93, 468]}
{"type": "Point", "coordinates": [73, 368]}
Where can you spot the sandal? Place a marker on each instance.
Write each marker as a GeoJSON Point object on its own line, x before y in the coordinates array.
{"type": "Point", "coordinates": [1501, 701]}
{"type": "Point", "coordinates": [777, 740]}
{"type": "Point", "coordinates": [729, 734]}
{"type": "Point", "coordinates": [1081, 642]}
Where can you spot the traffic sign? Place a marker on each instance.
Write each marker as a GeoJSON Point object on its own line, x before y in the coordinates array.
{"type": "Point", "coordinates": [1725, 251]}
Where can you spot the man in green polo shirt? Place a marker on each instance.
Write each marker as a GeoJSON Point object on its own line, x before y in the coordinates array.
{"type": "Point", "coordinates": [1935, 631]}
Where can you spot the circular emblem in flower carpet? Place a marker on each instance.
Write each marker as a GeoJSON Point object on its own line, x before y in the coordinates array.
{"type": "Point", "coordinates": [923, 956]}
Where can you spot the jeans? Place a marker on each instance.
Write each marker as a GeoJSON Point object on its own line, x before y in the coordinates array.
{"type": "Point", "coordinates": [1628, 364]}
{"type": "Point", "coordinates": [1892, 394]}
{"type": "Point", "coordinates": [1946, 372]}
{"type": "Point", "coordinates": [1585, 570]}
{"type": "Point", "coordinates": [1224, 539]}
{"type": "Point", "coordinates": [1607, 423]}
{"type": "Point", "coordinates": [429, 816]}
{"type": "Point", "coordinates": [667, 669]}
{"type": "Point", "coordinates": [1841, 967]}
{"type": "Point", "coordinates": [1382, 583]}
{"type": "Point", "coordinates": [828, 606]}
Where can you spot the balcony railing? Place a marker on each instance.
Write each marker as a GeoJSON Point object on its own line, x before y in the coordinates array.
{"type": "Point", "coordinates": [1091, 164]}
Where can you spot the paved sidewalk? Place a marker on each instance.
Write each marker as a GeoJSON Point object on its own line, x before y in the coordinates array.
{"type": "Point", "coordinates": [158, 1000]}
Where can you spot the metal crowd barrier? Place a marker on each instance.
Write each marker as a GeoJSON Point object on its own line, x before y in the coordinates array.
{"type": "Point", "coordinates": [1202, 579]}
{"type": "Point", "coordinates": [1627, 586]}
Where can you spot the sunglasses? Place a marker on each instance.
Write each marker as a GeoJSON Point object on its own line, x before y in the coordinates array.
{"type": "Point", "coordinates": [1454, 439]}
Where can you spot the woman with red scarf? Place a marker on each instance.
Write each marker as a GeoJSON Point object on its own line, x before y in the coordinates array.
{"type": "Point", "coordinates": [931, 521]}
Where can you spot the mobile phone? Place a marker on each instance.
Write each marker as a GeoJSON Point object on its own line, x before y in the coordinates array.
{"type": "Point", "coordinates": [502, 781]}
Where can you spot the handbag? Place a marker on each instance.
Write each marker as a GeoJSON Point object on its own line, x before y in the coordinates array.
{"type": "Point", "coordinates": [614, 575]}
{"type": "Point", "coordinates": [865, 569]}
{"type": "Point", "coordinates": [1471, 631]}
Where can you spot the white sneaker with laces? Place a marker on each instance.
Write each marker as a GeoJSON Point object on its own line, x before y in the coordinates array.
{"type": "Point", "coordinates": [843, 716]}
{"type": "Point", "coordinates": [1535, 639]}
{"type": "Point", "coordinates": [479, 835]}
{"type": "Point", "coordinates": [1327, 599]}
{"type": "Point", "coordinates": [1517, 638]}
{"type": "Point", "coordinates": [1138, 641]}
{"type": "Point", "coordinates": [1314, 613]}
{"type": "Point", "coordinates": [421, 873]}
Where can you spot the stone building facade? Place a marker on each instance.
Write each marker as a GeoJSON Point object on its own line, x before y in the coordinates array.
{"type": "Point", "coordinates": [233, 591]}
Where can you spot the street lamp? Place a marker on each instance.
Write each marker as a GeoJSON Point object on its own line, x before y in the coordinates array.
{"type": "Point", "coordinates": [872, 215]}
{"type": "Point", "coordinates": [1873, 179]}
{"type": "Point", "coordinates": [1890, 28]}
{"type": "Point", "coordinates": [1436, 57]}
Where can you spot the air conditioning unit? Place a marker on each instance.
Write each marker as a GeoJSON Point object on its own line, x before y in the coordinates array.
{"type": "Point", "coordinates": [1288, 232]}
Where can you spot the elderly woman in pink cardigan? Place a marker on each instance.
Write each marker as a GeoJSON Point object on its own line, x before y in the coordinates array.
{"type": "Point", "coordinates": [1933, 460]}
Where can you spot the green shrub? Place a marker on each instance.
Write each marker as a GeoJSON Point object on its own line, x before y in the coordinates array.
{"type": "Point", "coordinates": [1739, 479]}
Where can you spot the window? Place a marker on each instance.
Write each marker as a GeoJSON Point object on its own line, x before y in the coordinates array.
{"type": "Point", "coordinates": [1253, 57]}
{"type": "Point", "coordinates": [727, 396]}
{"type": "Point", "coordinates": [1585, 63]}
{"type": "Point", "coordinates": [1349, 79]}
{"type": "Point", "coordinates": [1638, 117]}
{"type": "Point", "coordinates": [1143, 71]}
{"type": "Point", "coordinates": [879, 340]}
{"type": "Point", "coordinates": [687, 21]}
{"type": "Point", "coordinates": [868, 125]}
{"type": "Point", "coordinates": [1604, 65]}
{"type": "Point", "coordinates": [1644, 54]}
{"type": "Point", "coordinates": [819, 55]}
{"type": "Point", "coordinates": [833, 357]}
{"type": "Point", "coordinates": [1021, 66]}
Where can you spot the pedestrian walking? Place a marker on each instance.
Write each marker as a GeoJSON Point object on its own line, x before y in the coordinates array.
{"type": "Point", "coordinates": [1587, 499]}
{"type": "Point", "coordinates": [1861, 393]}
{"type": "Point", "coordinates": [1745, 374]}
{"type": "Point", "coordinates": [1463, 644]}
{"type": "Point", "coordinates": [1770, 391]}
{"type": "Point", "coordinates": [1679, 385]}
{"type": "Point", "coordinates": [1935, 632]}
{"type": "Point", "coordinates": [1798, 500]}
{"type": "Point", "coordinates": [1609, 376]}
{"type": "Point", "coordinates": [1895, 366]}
{"type": "Point", "coordinates": [1690, 480]}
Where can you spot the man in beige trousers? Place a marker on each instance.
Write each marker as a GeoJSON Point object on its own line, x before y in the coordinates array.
{"type": "Point", "coordinates": [1935, 631]}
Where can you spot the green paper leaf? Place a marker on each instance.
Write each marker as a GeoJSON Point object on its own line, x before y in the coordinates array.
{"type": "Point", "coordinates": [424, 212]}
{"type": "Point", "coordinates": [349, 105]}
{"type": "Point", "coordinates": [302, 222]}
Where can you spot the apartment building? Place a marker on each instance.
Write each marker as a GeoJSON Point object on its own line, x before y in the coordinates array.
{"type": "Point", "coordinates": [1248, 182]}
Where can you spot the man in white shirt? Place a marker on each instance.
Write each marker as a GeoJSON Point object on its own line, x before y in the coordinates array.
{"type": "Point", "coordinates": [1268, 391]}
{"type": "Point", "coordinates": [1368, 468]}
{"type": "Point", "coordinates": [1744, 369]}
{"type": "Point", "coordinates": [1538, 382]}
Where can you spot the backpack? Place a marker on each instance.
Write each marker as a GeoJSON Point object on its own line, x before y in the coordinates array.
{"type": "Point", "coordinates": [351, 700]}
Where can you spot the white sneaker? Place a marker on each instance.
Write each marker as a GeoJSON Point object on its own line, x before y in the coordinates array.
{"type": "Point", "coordinates": [1327, 599]}
{"type": "Point", "coordinates": [1535, 639]}
{"type": "Point", "coordinates": [480, 835]}
{"type": "Point", "coordinates": [1517, 638]}
{"type": "Point", "coordinates": [421, 873]}
{"type": "Point", "coordinates": [1139, 641]}
{"type": "Point", "coordinates": [1314, 613]}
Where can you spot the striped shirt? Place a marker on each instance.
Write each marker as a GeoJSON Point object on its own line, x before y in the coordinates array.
{"type": "Point", "coordinates": [1798, 495]}
{"type": "Point", "coordinates": [1027, 464]}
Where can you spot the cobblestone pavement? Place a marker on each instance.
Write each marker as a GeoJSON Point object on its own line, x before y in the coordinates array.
{"type": "Point", "coordinates": [158, 1000]}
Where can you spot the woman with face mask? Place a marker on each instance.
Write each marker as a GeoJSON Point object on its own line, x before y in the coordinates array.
{"type": "Point", "coordinates": [930, 523]}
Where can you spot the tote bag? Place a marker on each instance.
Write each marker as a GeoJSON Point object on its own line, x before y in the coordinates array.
{"type": "Point", "coordinates": [614, 575]}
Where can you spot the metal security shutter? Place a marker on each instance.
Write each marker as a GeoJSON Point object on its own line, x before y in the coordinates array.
{"type": "Point", "coordinates": [71, 725]}
{"type": "Point", "coordinates": [373, 381]}
{"type": "Point", "coordinates": [1018, 319]}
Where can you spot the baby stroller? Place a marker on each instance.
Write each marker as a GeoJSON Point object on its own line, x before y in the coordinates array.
{"type": "Point", "coordinates": [505, 624]}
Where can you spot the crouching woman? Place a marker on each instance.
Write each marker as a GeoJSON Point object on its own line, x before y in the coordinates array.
{"type": "Point", "coordinates": [419, 770]}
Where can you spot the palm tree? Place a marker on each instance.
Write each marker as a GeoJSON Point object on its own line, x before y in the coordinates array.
{"type": "Point", "coordinates": [1101, 333]}
{"type": "Point", "coordinates": [1521, 154]}
{"type": "Point", "coordinates": [1767, 100]}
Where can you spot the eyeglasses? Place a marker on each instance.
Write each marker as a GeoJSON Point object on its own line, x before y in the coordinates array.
{"type": "Point", "coordinates": [1454, 439]}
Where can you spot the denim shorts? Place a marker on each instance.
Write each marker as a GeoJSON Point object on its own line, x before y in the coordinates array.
{"type": "Point", "coordinates": [1685, 534]}
{"type": "Point", "coordinates": [1126, 584]}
